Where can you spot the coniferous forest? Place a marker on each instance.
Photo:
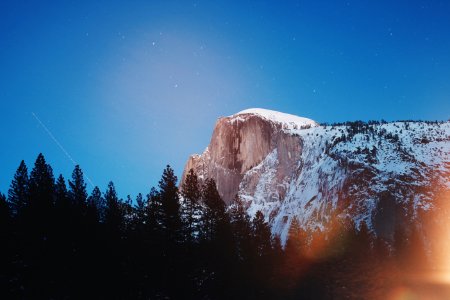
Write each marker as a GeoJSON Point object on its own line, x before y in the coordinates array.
{"type": "Point", "coordinates": [59, 242]}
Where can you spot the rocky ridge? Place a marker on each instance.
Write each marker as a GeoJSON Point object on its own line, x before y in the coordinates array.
{"type": "Point", "coordinates": [292, 167]}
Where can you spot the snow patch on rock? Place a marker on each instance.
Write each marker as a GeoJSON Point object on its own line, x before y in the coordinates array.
{"type": "Point", "coordinates": [288, 121]}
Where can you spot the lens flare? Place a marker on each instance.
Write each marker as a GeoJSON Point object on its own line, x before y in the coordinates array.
{"type": "Point", "coordinates": [402, 293]}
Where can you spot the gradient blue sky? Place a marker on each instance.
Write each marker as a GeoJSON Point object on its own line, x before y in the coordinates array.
{"type": "Point", "coordinates": [127, 87]}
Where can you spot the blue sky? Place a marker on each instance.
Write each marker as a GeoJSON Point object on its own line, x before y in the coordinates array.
{"type": "Point", "coordinates": [127, 88]}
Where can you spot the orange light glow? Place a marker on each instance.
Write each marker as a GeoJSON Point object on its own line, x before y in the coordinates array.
{"type": "Point", "coordinates": [402, 293]}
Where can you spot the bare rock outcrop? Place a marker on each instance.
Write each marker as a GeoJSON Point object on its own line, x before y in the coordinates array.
{"type": "Point", "coordinates": [241, 142]}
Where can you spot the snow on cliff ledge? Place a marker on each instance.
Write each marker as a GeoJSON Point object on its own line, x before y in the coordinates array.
{"type": "Point", "coordinates": [289, 122]}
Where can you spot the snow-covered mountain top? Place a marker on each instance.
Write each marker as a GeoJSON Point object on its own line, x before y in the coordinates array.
{"type": "Point", "coordinates": [288, 167]}
{"type": "Point", "coordinates": [288, 121]}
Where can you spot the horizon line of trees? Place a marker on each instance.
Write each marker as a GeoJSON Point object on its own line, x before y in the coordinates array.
{"type": "Point", "coordinates": [60, 242]}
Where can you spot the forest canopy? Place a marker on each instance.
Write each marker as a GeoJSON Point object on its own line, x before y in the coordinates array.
{"type": "Point", "coordinates": [178, 242]}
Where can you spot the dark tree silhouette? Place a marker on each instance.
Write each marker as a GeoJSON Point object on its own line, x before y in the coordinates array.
{"type": "Point", "coordinates": [77, 189]}
{"type": "Point", "coordinates": [61, 195]}
{"type": "Point", "coordinates": [18, 193]}
{"type": "Point", "coordinates": [154, 215]}
{"type": "Point", "coordinates": [296, 244]}
{"type": "Point", "coordinates": [60, 244]}
{"type": "Point", "coordinates": [63, 209]}
{"type": "Point", "coordinates": [262, 256]}
{"type": "Point", "coordinates": [261, 236]}
{"type": "Point", "coordinates": [95, 206]}
{"type": "Point", "coordinates": [171, 232]}
{"type": "Point", "coordinates": [214, 213]}
{"type": "Point", "coordinates": [190, 212]}
{"type": "Point", "coordinates": [41, 191]}
{"type": "Point", "coordinates": [294, 254]}
{"type": "Point", "coordinates": [36, 232]}
{"type": "Point", "coordinates": [240, 222]}
{"type": "Point", "coordinates": [170, 205]}
{"type": "Point", "coordinates": [113, 210]}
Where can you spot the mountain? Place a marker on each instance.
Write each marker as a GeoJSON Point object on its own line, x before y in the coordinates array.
{"type": "Point", "coordinates": [383, 174]}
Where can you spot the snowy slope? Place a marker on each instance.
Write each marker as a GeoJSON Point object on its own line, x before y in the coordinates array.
{"type": "Point", "coordinates": [325, 169]}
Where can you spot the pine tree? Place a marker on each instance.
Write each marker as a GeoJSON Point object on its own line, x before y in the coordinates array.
{"type": "Point", "coordinates": [277, 260]}
{"type": "Point", "coordinates": [154, 213]}
{"type": "Point", "coordinates": [62, 202]}
{"type": "Point", "coordinates": [18, 193]}
{"type": "Point", "coordinates": [190, 211]}
{"type": "Point", "coordinates": [113, 210]}
{"type": "Point", "coordinates": [113, 247]}
{"type": "Point", "coordinates": [95, 206]}
{"type": "Point", "coordinates": [140, 209]}
{"type": "Point", "coordinates": [64, 231]}
{"type": "Point", "coordinates": [60, 188]}
{"type": "Point", "coordinates": [77, 189]}
{"type": "Point", "coordinates": [217, 243]}
{"type": "Point", "coordinates": [170, 205]}
{"type": "Point", "coordinates": [80, 228]}
{"type": "Point", "coordinates": [261, 235]}
{"type": "Point", "coordinates": [171, 233]}
{"type": "Point", "coordinates": [96, 242]}
{"type": "Point", "coordinates": [155, 239]}
{"type": "Point", "coordinates": [214, 213]}
{"type": "Point", "coordinates": [294, 255]}
{"type": "Point", "coordinates": [296, 244]}
{"type": "Point", "coordinates": [128, 211]}
{"type": "Point", "coordinates": [261, 263]}
{"type": "Point", "coordinates": [139, 218]}
{"type": "Point", "coordinates": [39, 227]}
{"type": "Point", "coordinates": [240, 222]}
{"type": "Point", "coordinates": [41, 190]}
{"type": "Point", "coordinates": [62, 207]}
{"type": "Point", "coordinates": [276, 246]}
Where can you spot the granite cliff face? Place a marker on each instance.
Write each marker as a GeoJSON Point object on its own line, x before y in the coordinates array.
{"type": "Point", "coordinates": [241, 142]}
{"type": "Point", "coordinates": [292, 167]}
